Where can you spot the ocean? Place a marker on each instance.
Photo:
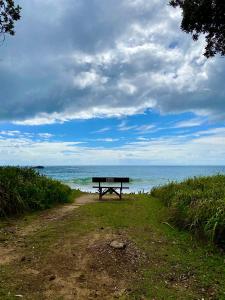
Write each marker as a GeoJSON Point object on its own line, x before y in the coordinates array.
{"type": "Point", "coordinates": [143, 178]}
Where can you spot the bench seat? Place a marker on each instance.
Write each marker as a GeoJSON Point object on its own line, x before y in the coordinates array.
{"type": "Point", "coordinates": [115, 187]}
{"type": "Point", "coordinates": [104, 189]}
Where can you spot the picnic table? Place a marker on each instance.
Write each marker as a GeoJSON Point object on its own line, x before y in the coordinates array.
{"type": "Point", "coordinates": [116, 188]}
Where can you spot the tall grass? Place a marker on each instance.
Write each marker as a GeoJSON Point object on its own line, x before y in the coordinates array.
{"type": "Point", "coordinates": [197, 204]}
{"type": "Point", "coordinates": [24, 189]}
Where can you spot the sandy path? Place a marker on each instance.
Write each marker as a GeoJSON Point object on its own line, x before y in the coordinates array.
{"type": "Point", "coordinates": [17, 232]}
{"type": "Point", "coordinates": [81, 268]}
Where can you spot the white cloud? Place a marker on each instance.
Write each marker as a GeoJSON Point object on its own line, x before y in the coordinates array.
{"type": "Point", "coordinates": [104, 59]}
{"type": "Point", "coordinates": [190, 123]}
{"type": "Point", "coordinates": [88, 79]}
{"type": "Point", "coordinates": [93, 112]}
{"type": "Point", "coordinates": [145, 128]}
{"type": "Point", "coordinates": [141, 138]}
{"type": "Point", "coordinates": [206, 149]}
{"type": "Point", "coordinates": [10, 132]}
{"type": "Point", "coordinates": [102, 130]}
{"type": "Point", "coordinates": [212, 131]}
{"type": "Point", "coordinates": [45, 135]}
{"type": "Point", "coordinates": [108, 140]}
{"type": "Point", "coordinates": [127, 87]}
{"type": "Point", "coordinates": [124, 127]}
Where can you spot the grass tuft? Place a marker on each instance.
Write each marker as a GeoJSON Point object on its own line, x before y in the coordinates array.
{"type": "Point", "coordinates": [197, 204]}
{"type": "Point", "coordinates": [24, 189]}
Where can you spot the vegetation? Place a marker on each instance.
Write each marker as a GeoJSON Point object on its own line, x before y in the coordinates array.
{"type": "Point", "coordinates": [65, 251]}
{"type": "Point", "coordinates": [177, 266]}
{"type": "Point", "coordinates": [197, 204]}
{"type": "Point", "coordinates": [9, 13]}
{"type": "Point", "coordinates": [204, 17]}
{"type": "Point", "coordinates": [24, 189]}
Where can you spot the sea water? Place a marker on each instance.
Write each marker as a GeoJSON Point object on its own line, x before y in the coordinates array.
{"type": "Point", "coordinates": [142, 178]}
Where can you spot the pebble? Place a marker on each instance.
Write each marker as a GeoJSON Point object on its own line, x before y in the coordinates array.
{"type": "Point", "coordinates": [117, 245]}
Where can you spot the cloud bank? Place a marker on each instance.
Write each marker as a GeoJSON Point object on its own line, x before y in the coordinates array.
{"type": "Point", "coordinates": [84, 59]}
{"type": "Point", "coordinates": [205, 147]}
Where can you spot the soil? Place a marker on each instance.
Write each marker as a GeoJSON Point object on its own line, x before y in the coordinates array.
{"type": "Point", "coordinates": [85, 268]}
{"type": "Point", "coordinates": [96, 271]}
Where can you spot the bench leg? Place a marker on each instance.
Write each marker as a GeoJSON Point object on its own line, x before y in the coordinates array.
{"type": "Point", "coordinates": [121, 188]}
{"type": "Point", "coordinates": [100, 193]}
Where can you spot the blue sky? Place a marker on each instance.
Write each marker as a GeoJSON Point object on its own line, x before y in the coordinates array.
{"type": "Point", "coordinates": [108, 82]}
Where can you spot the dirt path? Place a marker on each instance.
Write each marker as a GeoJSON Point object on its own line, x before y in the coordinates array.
{"type": "Point", "coordinates": [78, 266]}
{"type": "Point", "coordinates": [12, 236]}
{"type": "Point", "coordinates": [67, 253]}
{"type": "Point", "coordinates": [58, 213]}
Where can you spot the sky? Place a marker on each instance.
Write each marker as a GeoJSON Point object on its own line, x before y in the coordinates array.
{"type": "Point", "coordinates": [114, 82]}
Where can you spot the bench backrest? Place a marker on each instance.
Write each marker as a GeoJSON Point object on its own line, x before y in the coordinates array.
{"type": "Point", "coordinates": [111, 179]}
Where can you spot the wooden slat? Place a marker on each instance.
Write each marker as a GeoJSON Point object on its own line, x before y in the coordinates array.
{"type": "Point", "coordinates": [115, 187]}
{"type": "Point", "coordinates": [110, 179]}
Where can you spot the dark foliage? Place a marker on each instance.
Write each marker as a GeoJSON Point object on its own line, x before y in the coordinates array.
{"type": "Point", "coordinates": [24, 189]}
{"type": "Point", "coordinates": [9, 13]}
{"type": "Point", "coordinates": [204, 17]}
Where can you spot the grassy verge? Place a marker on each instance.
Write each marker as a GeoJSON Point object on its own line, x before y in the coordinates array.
{"type": "Point", "coordinates": [178, 266]}
{"type": "Point", "coordinates": [24, 189]}
{"type": "Point", "coordinates": [197, 204]}
{"type": "Point", "coordinates": [181, 267]}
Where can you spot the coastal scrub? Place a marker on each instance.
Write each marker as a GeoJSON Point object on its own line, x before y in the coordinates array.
{"type": "Point", "coordinates": [197, 204]}
{"type": "Point", "coordinates": [24, 189]}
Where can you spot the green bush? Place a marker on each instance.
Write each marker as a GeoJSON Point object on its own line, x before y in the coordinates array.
{"type": "Point", "coordinates": [24, 189]}
{"type": "Point", "coordinates": [197, 204]}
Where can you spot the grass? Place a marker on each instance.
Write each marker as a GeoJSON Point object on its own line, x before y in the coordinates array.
{"type": "Point", "coordinates": [172, 252]}
{"type": "Point", "coordinates": [179, 266]}
{"type": "Point", "coordinates": [24, 189]}
{"type": "Point", "coordinates": [197, 204]}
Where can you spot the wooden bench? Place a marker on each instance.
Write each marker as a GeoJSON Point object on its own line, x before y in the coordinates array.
{"type": "Point", "coordinates": [104, 189]}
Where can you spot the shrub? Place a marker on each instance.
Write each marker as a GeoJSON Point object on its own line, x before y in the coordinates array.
{"type": "Point", "coordinates": [24, 189]}
{"type": "Point", "coordinates": [197, 204]}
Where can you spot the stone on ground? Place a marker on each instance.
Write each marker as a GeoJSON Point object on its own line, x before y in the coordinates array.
{"type": "Point", "coordinates": [117, 245]}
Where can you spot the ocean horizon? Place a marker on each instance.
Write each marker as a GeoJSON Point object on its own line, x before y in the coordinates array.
{"type": "Point", "coordinates": [142, 178]}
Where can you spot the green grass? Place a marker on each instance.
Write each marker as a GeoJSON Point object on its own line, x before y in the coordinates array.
{"type": "Point", "coordinates": [197, 204]}
{"type": "Point", "coordinates": [179, 267]}
{"type": "Point", "coordinates": [24, 189]}
{"type": "Point", "coordinates": [172, 252]}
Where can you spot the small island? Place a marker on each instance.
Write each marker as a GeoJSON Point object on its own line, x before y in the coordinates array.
{"type": "Point", "coordinates": [38, 167]}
